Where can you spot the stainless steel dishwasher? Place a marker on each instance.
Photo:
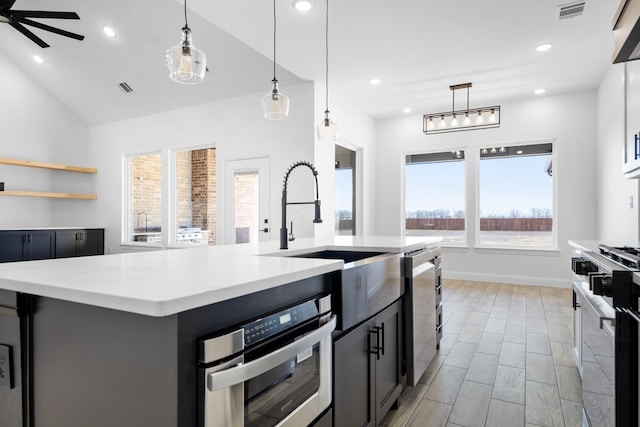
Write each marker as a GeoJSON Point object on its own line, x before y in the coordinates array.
{"type": "Point", "coordinates": [422, 310]}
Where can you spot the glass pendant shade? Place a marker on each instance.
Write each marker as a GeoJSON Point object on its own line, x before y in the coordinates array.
{"type": "Point", "coordinates": [186, 64]}
{"type": "Point", "coordinates": [327, 129]}
{"type": "Point", "coordinates": [467, 120]}
{"type": "Point", "coordinates": [275, 104]}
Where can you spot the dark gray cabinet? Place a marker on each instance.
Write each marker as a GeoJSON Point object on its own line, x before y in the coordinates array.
{"type": "Point", "coordinates": [73, 243]}
{"type": "Point", "coordinates": [26, 245]}
{"type": "Point", "coordinates": [367, 369]}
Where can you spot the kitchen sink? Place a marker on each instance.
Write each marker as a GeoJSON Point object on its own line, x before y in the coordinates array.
{"type": "Point", "coordinates": [368, 283]}
{"type": "Point", "coordinates": [347, 256]}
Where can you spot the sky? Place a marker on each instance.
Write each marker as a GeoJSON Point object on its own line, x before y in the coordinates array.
{"type": "Point", "coordinates": [505, 184]}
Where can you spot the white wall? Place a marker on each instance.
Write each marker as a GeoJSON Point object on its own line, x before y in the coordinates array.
{"type": "Point", "coordinates": [36, 126]}
{"type": "Point", "coordinates": [238, 131]}
{"type": "Point", "coordinates": [617, 222]}
{"type": "Point", "coordinates": [569, 119]}
{"type": "Point", "coordinates": [356, 131]}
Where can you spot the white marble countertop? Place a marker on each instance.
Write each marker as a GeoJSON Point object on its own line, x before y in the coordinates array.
{"type": "Point", "coordinates": [162, 283]}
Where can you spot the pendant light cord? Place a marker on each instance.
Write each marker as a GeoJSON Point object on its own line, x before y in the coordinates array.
{"type": "Point", "coordinates": [186, 24]}
{"type": "Point", "coordinates": [326, 58]}
{"type": "Point", "coordinates": [274, 40]}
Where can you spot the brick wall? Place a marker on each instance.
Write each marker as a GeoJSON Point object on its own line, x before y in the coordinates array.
{"type": "Point", "coordinates": [195, 190]}
{"type": "Point", "coordinates": [145, 192]}
{"type": "Point", "coordinates": [203, 191]}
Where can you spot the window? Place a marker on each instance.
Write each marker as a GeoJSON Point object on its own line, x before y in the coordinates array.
{"type": "Point", "coordinates": [345, 191]}
{"type": "Point", "coordinates": [435, 195]}
{"type": "Point", "coordinates": [516, 196]}
{"type": "Point", "coordinates": [144, 198]}
{"type": "Point", "coordinates": [196, 197]}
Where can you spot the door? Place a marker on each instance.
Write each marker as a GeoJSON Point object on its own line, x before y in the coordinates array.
{"type": "Point", "coordinates": [13, 246]}
{"type": "Point", "coordinates": [247, 201]}
{"type": "Point", "coordinates": [66, 243]}
{"type": "Point", "coordinates": [388, 365]}
{"type": "Point", "coordinates": [354, 380]}
{"type": "Point", "coordinates": [91, 243]}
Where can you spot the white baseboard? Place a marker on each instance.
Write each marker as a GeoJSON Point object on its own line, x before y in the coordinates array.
{"type": "Point", "coordinates": [503, 278]}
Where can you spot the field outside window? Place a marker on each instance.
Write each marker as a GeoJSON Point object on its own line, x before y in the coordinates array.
{"type": "Point", "coordinates": [516, 196]}
{"type": "Point", "coordinates": [435, 196]}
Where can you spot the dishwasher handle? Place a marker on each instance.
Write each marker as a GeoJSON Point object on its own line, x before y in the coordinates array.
{"type": "Point", "coordinates": [245, 371]}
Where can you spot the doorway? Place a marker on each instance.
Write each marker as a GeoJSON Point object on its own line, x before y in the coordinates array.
{"type": "Point", "coordinates": [247, 201]}
{"type": "Point", "coordinates": [345, 191]}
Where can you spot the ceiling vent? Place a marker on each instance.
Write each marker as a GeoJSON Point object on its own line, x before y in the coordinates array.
{"type": "Point", "coordinates": [571, 10]}
{"type": "Point", "coordinates": [124, 86]}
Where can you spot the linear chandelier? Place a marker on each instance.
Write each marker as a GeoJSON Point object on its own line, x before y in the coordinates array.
{"type": "Point", "coordinates": [457, 120]}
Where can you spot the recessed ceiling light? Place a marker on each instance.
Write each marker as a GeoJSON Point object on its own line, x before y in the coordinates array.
{"type": "Point", "coordinates": [519, 152]}
{"type": "Point", "coordinates": [406, 110]}
{"type": "Point", "coordinates": [109, 32]}
{"type": "Point", "coordinates": [544, 47]}
{"type": "Point", "coordinates": [303, 5]}
{"type": "Point", "coordinates": [375, 81]}
{"type": "Point", "coordinates": [539, 91]}
{"type": "Point", "coordinates": [38, 60]}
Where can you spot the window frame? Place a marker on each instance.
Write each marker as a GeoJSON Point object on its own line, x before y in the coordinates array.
{"type": "Point", "coordinates": [554, 229]}
{"type": "Point", "coordinates": [472, 196]}
{"type": "Point", "coordinates": [126, 216]}
{"type": "Point", "coordinates": [465, 243]}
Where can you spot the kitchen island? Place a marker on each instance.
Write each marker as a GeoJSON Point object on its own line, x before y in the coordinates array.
{"type": "Point", "coordinates": [111, 340]}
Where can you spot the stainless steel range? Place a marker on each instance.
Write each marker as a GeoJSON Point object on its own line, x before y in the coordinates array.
{"type": "Point", "coordinates": [606, 287]}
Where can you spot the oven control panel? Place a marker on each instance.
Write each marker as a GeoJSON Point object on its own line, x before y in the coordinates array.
{"type": "Point", "coordinates": [271, 325]}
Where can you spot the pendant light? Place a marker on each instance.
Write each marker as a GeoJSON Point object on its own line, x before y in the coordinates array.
{"type": "Point", "coordinates": [186, 64]}
{"type": "Point", "coordinates": [327, 129]}
{"type": "Point", "coordinates": [275, 104]}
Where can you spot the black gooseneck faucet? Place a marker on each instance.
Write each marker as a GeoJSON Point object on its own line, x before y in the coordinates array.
{"type": "Point", "coordinates": [284, 243]}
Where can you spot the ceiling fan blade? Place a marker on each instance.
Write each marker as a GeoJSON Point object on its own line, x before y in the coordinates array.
{"type": "Point", "coordinates": [6, 4]}
{"type": "Point", "coordinates": [37, 40]}
{"type": "Point", "coordinates": [44, 14]}
{"type": "Point", "coordinates": [49, 28]}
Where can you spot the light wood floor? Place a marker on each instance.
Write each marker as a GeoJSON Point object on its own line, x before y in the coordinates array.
{"type": "Point", "coordinates": [505, 360]}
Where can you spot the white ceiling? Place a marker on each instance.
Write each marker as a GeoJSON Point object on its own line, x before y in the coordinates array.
{"type": "Point", "coordinates": [417, 47]}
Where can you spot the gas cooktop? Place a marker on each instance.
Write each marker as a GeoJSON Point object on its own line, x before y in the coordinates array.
{"type": "Point", "coordinates": [626, 256]}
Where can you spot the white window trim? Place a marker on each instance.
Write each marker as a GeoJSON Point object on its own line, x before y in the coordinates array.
{"type": "Point", "coordinates": [403, 196]}
{"type": "Point", "coordinates": [554, 230]}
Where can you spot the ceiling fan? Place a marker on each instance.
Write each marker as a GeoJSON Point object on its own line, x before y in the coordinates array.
{"type": "Point", "coordinates": [19, 18]}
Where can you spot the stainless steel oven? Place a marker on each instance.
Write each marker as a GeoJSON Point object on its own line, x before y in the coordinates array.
{"type": "Point", "coordinates": [606, 284]}
{"type": "Point", "coordinates": [272, 371]}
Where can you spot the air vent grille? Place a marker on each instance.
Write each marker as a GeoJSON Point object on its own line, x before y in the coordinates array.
{"type": "Point", "coordinates": [571, 10]}
{"type": "Point", "coordinates": [124, 86]}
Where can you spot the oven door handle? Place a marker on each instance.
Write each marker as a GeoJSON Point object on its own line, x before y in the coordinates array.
{"type": "Point", "coordinates": [243, 372]}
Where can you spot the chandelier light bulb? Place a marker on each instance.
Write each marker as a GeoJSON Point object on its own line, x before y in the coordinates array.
{"type": "Point", "coordinates": [479, 118]}
{"type": "Point", "coordinates": [443, 122]}
{"type": "Point", "coordinates": [467, 120]}
{"type": "Point", "coordinates": [492, 117]}
{"type": "Point", "coordinates": [454, 121]}
{"type": "Point", "coordinates": [430, 124]}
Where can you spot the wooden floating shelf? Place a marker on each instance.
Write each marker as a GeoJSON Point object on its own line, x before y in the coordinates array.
{"type": "Point", "coordinates": [43, 165]}
{"type": "Point", "coordinates": [50, 195]}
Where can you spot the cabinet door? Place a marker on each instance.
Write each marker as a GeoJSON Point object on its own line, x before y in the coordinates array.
{"type": "Point", "coordinates": [41, 245]}
{"type": "Point", "coordinates": [354, 382]}
{"type": "Point", "coordinates": [13, 246]}
{"type": "Point", "coordinates": [388, 366]}
{"type": "Point", "coordinates": [91, 242]}
{"type": "Point", "coordinates": [66, 243]}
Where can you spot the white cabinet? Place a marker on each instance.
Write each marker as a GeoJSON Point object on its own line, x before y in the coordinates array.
{"type": "Point", "coordinates": [632, 121]}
